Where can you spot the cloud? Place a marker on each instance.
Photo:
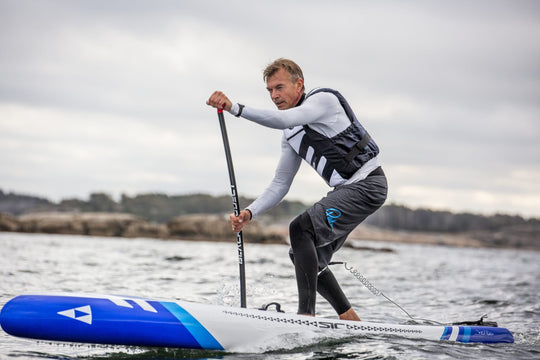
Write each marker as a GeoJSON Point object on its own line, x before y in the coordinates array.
{"type": "Point", "coordinates": [110, 96]}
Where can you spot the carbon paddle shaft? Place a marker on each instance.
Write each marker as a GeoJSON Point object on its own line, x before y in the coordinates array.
{"type": "Point", "coordinates": [236, 206]}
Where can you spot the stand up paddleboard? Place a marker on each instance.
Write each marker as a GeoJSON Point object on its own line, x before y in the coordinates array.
{"type": "Point", "coordinates": [119, 320]}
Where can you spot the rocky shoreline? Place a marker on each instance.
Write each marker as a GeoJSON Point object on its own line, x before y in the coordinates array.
{"type": "Point", "coordinates": [189, 227]}
{"type": "Point", "coordinates": [217, 228]}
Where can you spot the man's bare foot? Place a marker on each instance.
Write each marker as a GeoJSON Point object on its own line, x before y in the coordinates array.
{"type": "Point", "coordinates": [349, 315]}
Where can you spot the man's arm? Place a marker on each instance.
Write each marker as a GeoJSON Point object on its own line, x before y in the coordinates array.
{"type": "Point", "coordinates": [288, 166]}
{"type": "Point", "coordinates": [318, 108]}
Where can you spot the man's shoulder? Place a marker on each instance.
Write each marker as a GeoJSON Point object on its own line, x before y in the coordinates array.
{"type": "Point", "coordinates": [322, 93]}
{"type": "Point", "coordinates": [321, 90]}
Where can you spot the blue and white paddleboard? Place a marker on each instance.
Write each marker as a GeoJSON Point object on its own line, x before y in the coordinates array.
{"type": "Point", "coordinates": [121, 320]}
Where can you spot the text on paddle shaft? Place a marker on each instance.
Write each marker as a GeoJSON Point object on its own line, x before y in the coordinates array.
{"type": "Point", "coordinates": [239, 239]}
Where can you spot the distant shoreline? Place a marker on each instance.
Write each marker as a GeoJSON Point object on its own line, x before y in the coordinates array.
{"type": "Point", "coordinates": [209, 227]}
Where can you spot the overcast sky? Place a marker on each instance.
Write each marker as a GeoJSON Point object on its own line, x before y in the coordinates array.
{"type": "Point", "coordinates": [109, 96]}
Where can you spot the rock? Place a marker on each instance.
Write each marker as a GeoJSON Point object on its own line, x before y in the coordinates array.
{"type": "Point", "coordinates": [517, 236]}
{"type": "Point", "coordinates": [196, 227]}
{"type": "Point", "coordinates": [147, 230]}
{"type": "Point", "coordinates": [108, 224]}
{"type": "Point", "coordinates": [8, 222]}
{"type": "Point", "coordinates": [52, 223]}
{"type": "Point", "coordinates": [96, 224]}
{"type": "Point", "coordinates": [218, 228]}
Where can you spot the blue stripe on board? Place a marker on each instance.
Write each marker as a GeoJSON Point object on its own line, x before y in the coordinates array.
{"type": "Point", "coordinates": [199, 332]}
{"type": "Point", "coordinates": [459, 338]}
{"type": "Point", "coordinates": [466, 335]}
{"type": "Point", "coordinates": [447, 332]}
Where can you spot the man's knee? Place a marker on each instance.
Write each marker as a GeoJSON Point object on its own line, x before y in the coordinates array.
{"type": "Point", "coordinates": [300, 225]}
{"type": "Point", "coordinates": [301, 229]}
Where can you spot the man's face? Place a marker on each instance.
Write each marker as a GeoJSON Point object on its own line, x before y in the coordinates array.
{"type": "Point", "coordinates": [284, 93]}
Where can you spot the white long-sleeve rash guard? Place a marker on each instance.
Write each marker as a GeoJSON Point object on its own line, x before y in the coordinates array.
{"type": "Point", "coordinates": [324, 114]}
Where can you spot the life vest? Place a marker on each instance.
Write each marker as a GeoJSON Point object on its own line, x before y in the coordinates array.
{"type": "Point", "coordinates": [337, 158]}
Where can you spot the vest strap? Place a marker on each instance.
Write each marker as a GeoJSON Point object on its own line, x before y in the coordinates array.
{"type": "Point", "coordinates": [358, 147]}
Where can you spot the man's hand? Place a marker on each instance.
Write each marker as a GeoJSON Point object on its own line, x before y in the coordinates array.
{"type": "Point", "coordinates": [219, 101]}
{"type": "Point", "coordinates": [238, 222]}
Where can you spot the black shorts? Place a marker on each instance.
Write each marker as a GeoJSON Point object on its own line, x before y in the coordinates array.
{"type": "Point", "coordinates": [342, 210]}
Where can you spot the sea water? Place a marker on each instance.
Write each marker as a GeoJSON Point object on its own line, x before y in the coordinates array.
{"type": "Point", "coordinates": [436, 283]}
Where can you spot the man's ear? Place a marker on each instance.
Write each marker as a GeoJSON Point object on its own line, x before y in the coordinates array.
{"type": "Point", "coordinates": [299, 84]}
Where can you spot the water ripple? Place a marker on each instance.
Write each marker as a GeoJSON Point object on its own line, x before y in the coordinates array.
{"type": "Point", "coordinates": [438, 283]}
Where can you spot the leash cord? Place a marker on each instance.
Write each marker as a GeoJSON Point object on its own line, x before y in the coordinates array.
{"type": "Point", "coordinates": [376, 291]}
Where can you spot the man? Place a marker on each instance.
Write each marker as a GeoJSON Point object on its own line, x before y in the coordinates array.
{"type": "Point", "coordinates": [320, 128]}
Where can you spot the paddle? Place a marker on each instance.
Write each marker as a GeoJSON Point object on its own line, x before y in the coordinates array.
{"type": "Point", "coordinates": [236, 206]}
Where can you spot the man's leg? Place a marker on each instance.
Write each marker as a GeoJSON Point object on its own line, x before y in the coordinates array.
{"type": "Point", "coordinates": [329, 288]}
{"type": "Point", "coordinates": [333, 218]}
{"type": "Point", "coordinates": [305, 261]}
